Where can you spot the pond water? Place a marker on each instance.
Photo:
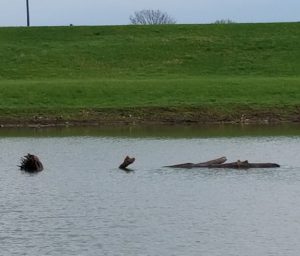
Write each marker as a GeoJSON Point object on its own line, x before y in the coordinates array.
{"type": "Point", "coordinates": [82, 204]}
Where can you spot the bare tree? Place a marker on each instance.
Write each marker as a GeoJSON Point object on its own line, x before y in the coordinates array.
{"type": "Point", "coordinates": [224, 21]}
{"type": "Point", "coordinates": [151, 17]}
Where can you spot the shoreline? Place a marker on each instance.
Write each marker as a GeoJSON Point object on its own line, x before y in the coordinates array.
{"type": "Point", "coordinates": [153, 116]}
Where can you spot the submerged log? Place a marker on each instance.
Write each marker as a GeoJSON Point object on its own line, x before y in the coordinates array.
{"type": "Point", "coordinates": [220, 163]}
{"type": "Point", "coordinates": [127, 161]}
{"type": "Point", "coordinates": [217, 161]}
{"type": "Point", "coordinates": [31, 163]}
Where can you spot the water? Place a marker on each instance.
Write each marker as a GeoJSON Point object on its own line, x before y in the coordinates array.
{"type": "Point", "coordinates": [82, 204]}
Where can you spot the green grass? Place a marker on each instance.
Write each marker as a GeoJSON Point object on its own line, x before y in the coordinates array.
{"type": "Point", "coordinates": [59, 69]}
{"type": "Point", "coordinates": [202, 91]}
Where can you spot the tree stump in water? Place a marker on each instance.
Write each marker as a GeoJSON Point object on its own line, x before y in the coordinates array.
{"type": "Point", "coordinates": [31, 163]}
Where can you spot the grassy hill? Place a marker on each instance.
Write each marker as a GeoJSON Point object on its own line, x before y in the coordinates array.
{"type": "Point", "coordinates": [174, 72]}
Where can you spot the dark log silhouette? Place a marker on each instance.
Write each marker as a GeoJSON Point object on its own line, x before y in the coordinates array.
{"type": "Point", "coordinates": [244, 165]}
{"type": "Point", "coordinates": [127, 161]}
{"type": "Point", "coordinates": [217, 161]}
{"type": "Point", "coordinates": [31, 163]}
{"type": "Point", "coordinates": [220, 163]}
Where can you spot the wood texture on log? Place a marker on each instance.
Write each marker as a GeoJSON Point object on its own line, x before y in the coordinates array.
{"type": "Point", "coordinates": [216, 161]}
{"type": "Point", "coordinates": [244, 165]}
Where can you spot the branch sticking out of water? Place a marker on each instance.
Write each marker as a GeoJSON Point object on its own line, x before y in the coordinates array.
{"type": "Point", "coordinates": [127, 161]}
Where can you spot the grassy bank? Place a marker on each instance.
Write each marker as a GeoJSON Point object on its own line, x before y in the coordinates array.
{"type": "Point", "coordinates": [163, 73]}
{"type": "Point", "coordinates": [161, 100]}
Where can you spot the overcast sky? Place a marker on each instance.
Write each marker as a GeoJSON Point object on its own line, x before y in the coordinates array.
{"type": "Point", "coordinates": [117, 12]}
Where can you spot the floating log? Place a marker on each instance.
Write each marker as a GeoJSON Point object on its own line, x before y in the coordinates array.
{"type": "Point", "coordinates": [127, 161]}
{"type": "Point", "coordinates": [31, 163]}
{"type": "Point", "coordinates": [220, 163]}
{"type": "Point", "coordinates": [244, 165]}
{"type": "Point", "coordinates": [217, 161]}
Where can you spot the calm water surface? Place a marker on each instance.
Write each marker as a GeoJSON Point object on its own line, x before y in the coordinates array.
{"type": "Point", "coordinates": [82, 204]}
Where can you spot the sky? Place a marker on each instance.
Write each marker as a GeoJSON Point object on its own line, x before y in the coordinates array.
{"type": "Point", "coordinates": [117, 12]}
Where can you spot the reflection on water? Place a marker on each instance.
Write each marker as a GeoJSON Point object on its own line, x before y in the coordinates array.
{"type": "Point", "coordinates": [82, 204]}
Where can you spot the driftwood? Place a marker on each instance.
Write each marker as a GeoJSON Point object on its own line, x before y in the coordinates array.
{"type": "Point", "coordinates": [127, 161]}
{"type": "Point", "coordinates": [31, 163]}
{"type": "Point", "coordinates": [217, 161]}
{"type": "Point", "coordinates": [220, 163]}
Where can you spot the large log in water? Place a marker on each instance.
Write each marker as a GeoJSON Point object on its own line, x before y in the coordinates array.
{"type": "Point", "coordinates": [31, 163]}
{"type": "Point", "coordinates": [220, 163]}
